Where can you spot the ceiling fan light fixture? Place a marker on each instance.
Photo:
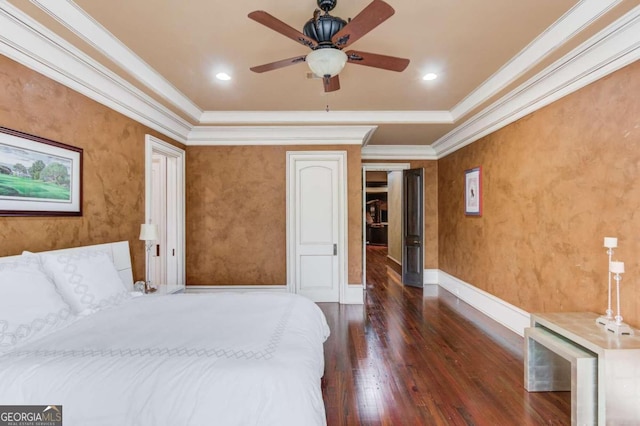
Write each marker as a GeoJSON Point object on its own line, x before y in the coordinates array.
{"type": "Point", "coordinates": [326, 61]}
{"type": "Point", "coordinates": [223, 76]}
{"type": "Point", "coordinates": [430, 76]}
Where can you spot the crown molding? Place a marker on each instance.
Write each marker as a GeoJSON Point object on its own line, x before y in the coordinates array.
{"type": "Point", "coordinates": [328, 117]}
{"type": "Point", "coordinates": [398, 152]}
{"type": "Point", "coordinates": [84, 26]}
{"type": "Point", "coordinates": [279, 135]}
{"type": "Point", "coordinates": [31, 44]}
{"type": "Point", "coordinates": [94, 34]}
{"type": "Point", "coordinates": [612, 48]}
{"type": "Point", "coordinates": [571, 23]}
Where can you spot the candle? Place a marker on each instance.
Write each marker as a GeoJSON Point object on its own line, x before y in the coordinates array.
{"type": "Point", "coordinates": [616, 267]}
{"type": "Point", "coordinates": [610, 242]}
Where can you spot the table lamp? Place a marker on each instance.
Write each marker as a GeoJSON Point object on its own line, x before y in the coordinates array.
{"type": "Point", "coordinates": [148, 234]}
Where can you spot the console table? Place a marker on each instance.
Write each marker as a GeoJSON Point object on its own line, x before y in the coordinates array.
{"type": "Point", "coordinates": [568, 351]}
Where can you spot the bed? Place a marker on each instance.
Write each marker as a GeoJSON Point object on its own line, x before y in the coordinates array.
{"type": "Point", "coordinates": [117, 358]}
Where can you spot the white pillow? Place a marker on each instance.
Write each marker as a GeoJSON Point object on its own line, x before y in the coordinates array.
{"type": "Point", "coordinates": [87, 279]}
{"type": "Point", "coordinates": [30, 305]}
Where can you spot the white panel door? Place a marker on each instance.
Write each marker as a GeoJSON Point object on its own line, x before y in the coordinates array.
{"type": "Point", "coordinates": [317, 245]}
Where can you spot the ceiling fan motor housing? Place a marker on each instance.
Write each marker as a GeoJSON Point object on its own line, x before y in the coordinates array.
{"type": "Point", "coordinates": [322, 28]}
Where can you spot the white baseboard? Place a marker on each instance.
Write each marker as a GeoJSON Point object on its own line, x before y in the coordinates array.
{"type": "Point", "coordinates": [232, 288]}
{"type": "Point", "coordinates": [497, 309]}
{"type": "Point", "coordinates": [510, 316]}
{"type": "Point", "coordinates": [353, 295]}
{"type": "Point", "coordinates": [430, 276]}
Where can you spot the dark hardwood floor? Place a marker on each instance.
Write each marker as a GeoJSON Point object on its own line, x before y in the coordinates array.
{"type": "Point", "coordinates": [405, 359]}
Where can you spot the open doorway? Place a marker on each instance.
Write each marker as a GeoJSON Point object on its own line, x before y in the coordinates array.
{"type": "Point", "coordinates": [165, 207]}
{"type": "Point", "coordinates": [382, 217]}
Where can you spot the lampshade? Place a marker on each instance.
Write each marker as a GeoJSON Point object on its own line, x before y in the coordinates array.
{"type": "Point", "coordinates": [148, 232]}
{"type": "Point", "coordinates": [326, 62]}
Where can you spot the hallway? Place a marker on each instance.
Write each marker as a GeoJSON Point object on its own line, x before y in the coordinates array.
{"type": "Point", "coordinates": [405, 359]}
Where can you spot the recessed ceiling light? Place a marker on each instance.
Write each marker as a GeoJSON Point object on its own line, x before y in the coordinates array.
{"type": "Point", "coordinates": [223, 76]}
{"type": "Point", "coordinates": [430, 76]}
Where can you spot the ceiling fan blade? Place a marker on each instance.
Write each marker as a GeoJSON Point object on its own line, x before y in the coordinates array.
{"type": "Point", "coordinates": [390, 63]}
{"type": "Point", "coordinates": [278, 64]}
{"type": "Point", "coordinates": [371, 16]}
{"type": "Point", "coordinates": [277, 25]}
{"type": "Point", "coordinates": [331, 84]}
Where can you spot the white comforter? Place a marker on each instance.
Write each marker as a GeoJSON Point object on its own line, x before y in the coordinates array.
{"type": "Point", "coordinates": [195, 359]}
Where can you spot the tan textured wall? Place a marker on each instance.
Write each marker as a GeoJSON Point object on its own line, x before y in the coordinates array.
{"type": "Point", "coordinates": [236, 214]}
{"type": "Point", "coordinates": [113, 178]}
{"type": "Point", "coordinates": [555, 184]}
{"type": "Point", "coordinates": [430, 207]}
{"type": "Point", "coordinates": [394, 203]}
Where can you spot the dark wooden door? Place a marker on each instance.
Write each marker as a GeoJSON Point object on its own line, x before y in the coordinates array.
{"type": "Point", "coordinates": [412, 227]}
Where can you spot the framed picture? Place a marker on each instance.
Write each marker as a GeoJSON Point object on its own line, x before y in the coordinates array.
{"type": "Point", "coordinates": [39, 177]}
{"type": "Point", "coordinates": [473, 192]}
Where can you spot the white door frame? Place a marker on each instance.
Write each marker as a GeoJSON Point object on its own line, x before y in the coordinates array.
{"type": "Point", "coordinates": [373, 167]}
{"type": "Point", "coordinates": [343, 249]}
{"type": "Point", "coordinates": [155, 145]}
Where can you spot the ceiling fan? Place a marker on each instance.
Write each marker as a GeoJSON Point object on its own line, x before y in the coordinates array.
{"type": "Point", "coordinates": [327, 35]}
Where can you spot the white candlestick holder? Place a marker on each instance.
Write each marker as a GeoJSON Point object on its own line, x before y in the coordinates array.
{"type": "Point", "coordinates": [608, 317]}
{"type": "Point", "coordinates": [617, 326]}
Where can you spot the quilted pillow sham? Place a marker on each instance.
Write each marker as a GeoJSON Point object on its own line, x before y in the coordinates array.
{"type": "Point", "coordinates": [87, 280]}
{"type": "Point", "coordinates": [30, 305]}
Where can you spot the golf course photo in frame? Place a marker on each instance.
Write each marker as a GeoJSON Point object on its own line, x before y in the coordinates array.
{"type": "Point", "coordinates": [38, 176]}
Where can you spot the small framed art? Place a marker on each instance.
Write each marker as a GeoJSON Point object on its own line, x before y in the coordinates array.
{"type": "Point", "coordinates": [473, 192]}
{"type": "Point", "coordinates": [38, 176]}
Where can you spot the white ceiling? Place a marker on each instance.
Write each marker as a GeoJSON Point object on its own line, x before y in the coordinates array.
{"type": "Point", "coordinates": [164, 55]}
